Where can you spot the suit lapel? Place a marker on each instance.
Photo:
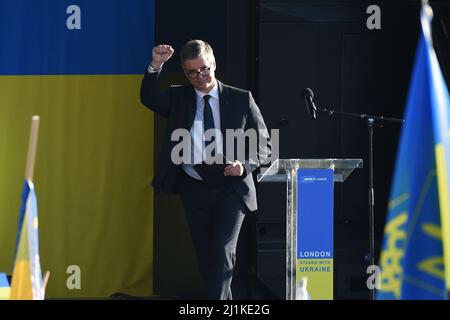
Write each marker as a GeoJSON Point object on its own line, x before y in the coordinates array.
{"type": "Point", "coordinates": [225, 112]}
{"type": "Point", "coordinates": [191, 104]}
{"type": "Point", "coordinates": [225, 108]}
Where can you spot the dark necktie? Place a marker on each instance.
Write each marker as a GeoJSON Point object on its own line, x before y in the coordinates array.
{"type": "Point", "coordinates": [208, 120]}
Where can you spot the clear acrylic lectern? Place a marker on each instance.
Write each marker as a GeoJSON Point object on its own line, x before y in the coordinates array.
{"type": "Point", "coordinates": [286, 170]}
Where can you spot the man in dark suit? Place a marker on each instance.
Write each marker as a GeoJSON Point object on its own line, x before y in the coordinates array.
{"type": "Point", "coordinates": [215, 205]}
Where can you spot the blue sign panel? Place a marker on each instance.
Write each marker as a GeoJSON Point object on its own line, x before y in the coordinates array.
{"type": "Point", "coordinates": [315, 232]}
{"type": "Point", "coordinates": [315, 214]}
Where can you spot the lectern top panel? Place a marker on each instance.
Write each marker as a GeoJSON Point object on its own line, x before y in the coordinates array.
{"type": "Point", "coordinates": [282, 169]}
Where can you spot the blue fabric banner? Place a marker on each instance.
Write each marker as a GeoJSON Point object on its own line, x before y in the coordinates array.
{"type": "Point", "coordinates": [66, 37]}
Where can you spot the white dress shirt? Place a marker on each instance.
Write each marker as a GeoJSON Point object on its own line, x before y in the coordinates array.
{"type": "Point", "coordinates": [198, 141]}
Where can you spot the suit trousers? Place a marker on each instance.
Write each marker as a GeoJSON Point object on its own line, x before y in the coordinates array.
{"type": "Point", "coordinates": [215, 214]}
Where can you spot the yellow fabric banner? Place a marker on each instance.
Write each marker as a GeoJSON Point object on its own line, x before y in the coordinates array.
{"type": "Point", "coordinates": [94, 166]}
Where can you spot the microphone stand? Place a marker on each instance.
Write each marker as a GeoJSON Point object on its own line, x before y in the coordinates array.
{"type": "Point", "coordinates": [371, 123]}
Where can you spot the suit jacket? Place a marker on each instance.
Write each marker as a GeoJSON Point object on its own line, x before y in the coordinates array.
{"type": "Point", "coordinates": [238, 110]}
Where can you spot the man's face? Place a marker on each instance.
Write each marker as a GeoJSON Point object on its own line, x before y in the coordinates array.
{"type": "Point", "coordinates": [201, 73]}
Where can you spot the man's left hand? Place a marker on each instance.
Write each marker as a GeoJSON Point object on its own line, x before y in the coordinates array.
{"type": "Point", "coordinates": [235, 169]}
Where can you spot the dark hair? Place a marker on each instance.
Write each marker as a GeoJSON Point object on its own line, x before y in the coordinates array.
{"type": "Point", "coordinates": [194, 49]}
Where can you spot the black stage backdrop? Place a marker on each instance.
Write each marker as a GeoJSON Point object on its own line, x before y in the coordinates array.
{"type": "Point", "coordinates": [276, 49]}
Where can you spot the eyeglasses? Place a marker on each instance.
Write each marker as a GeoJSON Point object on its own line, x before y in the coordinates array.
{"type": "Point", "coordinates": [195, 74]}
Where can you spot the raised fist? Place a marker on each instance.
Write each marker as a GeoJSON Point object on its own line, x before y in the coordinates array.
{"type": "Point", "coordinates": [161, 54]}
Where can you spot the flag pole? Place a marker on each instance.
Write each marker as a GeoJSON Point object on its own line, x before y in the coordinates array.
{"type": "Point", "coordinates": [32, 145]}
{"type": "Point", "coordinates": [44, 282]}
{"type": "Point", "coordinates": [29, 172]}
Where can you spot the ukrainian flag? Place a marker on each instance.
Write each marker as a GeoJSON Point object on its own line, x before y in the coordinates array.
{"type": "Point", "coordinates": [26, 282]}
{"type": "Point", "coordinates": [79, 66]}
{"type": "Point", "coordinates": [415, 257]}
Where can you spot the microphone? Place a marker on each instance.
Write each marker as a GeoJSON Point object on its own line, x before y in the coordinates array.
{"type": "Point", "coordinates": [308, 95]}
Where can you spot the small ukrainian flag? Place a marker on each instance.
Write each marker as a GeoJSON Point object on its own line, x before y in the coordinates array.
{"type": "Point", "coordinates": [26, 281]}
{"type": "Point", "coordinates": [5, 289]}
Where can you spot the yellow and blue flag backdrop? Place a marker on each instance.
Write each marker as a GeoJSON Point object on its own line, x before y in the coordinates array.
{"type": "Point", "coordinates": [415, 254]}
{"type": "Point", "coordinates": [26, 281]}
{"type": "Point", "coordinates": [79, 64]}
